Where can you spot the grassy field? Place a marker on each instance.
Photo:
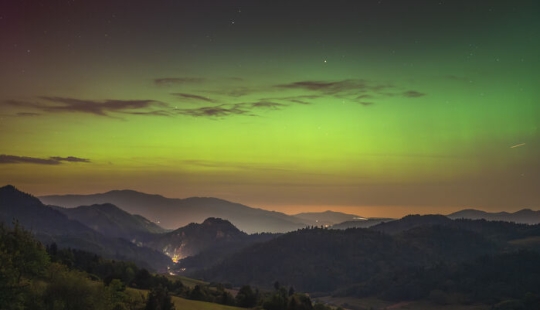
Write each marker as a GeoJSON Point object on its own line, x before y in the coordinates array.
{"type": "Point", "coordinates": [186, 281]}
{"type": "Point", "coordinates": [377, 304]}
{"type": "Point", "coordinates": [181, 303]}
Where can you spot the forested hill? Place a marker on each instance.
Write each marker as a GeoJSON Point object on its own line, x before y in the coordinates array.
{"type": "Point", "coordinates": [408, 265]}
{"type": "Point", "coordinates": [325, 260]}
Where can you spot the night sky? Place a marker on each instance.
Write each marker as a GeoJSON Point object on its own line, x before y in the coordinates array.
{"type": "Point", "coordinates": [378, 108]}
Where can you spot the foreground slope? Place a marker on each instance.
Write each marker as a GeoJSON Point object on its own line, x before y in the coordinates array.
{"type": "Point", "coordinates": [172, 213]}
{"type": "Point", "coordinates": [49, 225]}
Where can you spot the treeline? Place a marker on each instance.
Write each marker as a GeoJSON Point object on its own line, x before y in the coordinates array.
{"type": "Point", "coordinates": [324, 260]}
{"type": "Point", "coordinates": [36, 277]}
{"type": "Point", "coordinates": [30, 279]}
{"type": "Point", "coordinates": [479, 263]}
{"type": "Point", "coordinates": [128, 274]}
{"type": "Point", "coordinates": [503, 279]}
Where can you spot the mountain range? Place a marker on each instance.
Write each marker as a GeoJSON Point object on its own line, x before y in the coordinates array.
{"type": "Point", "coordinates": [112, 221]}
{"type": "Point", "coordinates": [415, 257]}
{"type": "Point", "coordinates": [172, 213]}
{"type": "Point", "coordinates": [49, 225]}
{"type": "Point", "coordinates": [525, 216]}
{"type": "Point", "coordinates": [107, 230]}
{"type": "Point", "coordinates": [327, 218]}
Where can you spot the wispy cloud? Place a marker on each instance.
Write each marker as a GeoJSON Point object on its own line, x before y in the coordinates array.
{"type": "Point", "coordinates": [193, 97]}
{"type": "Point", "coordinates": [336, 87]}
{"type": "Point", "coordinates": [101, 108]}
{"type": "Point", "coordinates": [265, 104]}
{"type": "Point", "coordinates": [226, 99]}
{"type": "Point", "coordinates": [71, 159]}
{"type": "Point", "coordinates": [216, 112]}
{"type": "Point", "coordinates": [355, 90]}
{"type": "Point", "coordinates": [302, 99]}
{"type": "Point", "coordinates": [242, 108]}
{"type": "Point", "coordinates": [413, 94]}
{"type": "Point", "coordinates": [360, 91]}
{"type": "Point", "coordinates": [54, 160]}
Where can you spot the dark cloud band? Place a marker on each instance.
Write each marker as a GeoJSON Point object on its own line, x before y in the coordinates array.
{"type": "Point", "coordinates": [100, 108]}
{"type": "Point", "coordinates": [54, 160]}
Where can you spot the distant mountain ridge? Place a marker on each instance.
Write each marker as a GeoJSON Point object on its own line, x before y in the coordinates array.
{"type": "Point", "coordinates": [194, 238]}
{"type": "Point", "coordinates": [524, 216]}
{"type": "Point", "coordinates": [112, 221]}
{"type": "Point", "coordinates": [361, 223]}
{"type": "Point", "coordinates": [172, 213]}
{"type": "Point", "coordinates": [49, 225]}
{"type": "Point", "coordinates": [326, 218]}
{"type": "Point", "coordinates": [410, 222]}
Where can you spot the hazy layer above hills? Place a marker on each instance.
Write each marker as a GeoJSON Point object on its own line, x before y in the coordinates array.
{"type": "Point", "coordinates": [107, 230]}
{"type": "Point", "coordinates": [112, 221]}
{"type": "Point", "coordinates": [216, 235]}
{"type": "Point", "coordinates": [172, 213]}
{"type": "Point", "coordinates": [327, 218]}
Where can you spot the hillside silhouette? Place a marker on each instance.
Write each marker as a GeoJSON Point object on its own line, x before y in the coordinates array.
{"type": "Point", "coordinates": [51, 226]}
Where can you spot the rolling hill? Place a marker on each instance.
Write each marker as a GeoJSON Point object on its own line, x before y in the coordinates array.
{"type": "Point", "coordinates": [112, 221]}
{"type": "Point", "coordinates": [195, 238]}
{"type": "Point", "coordinates": [49, 225]}
{"type": "Point", "coordinates": [172, 213]}
{"type": "Point", "coordinates": [325, 260]}
{"type": "Point", "coordinates": [525, 216]}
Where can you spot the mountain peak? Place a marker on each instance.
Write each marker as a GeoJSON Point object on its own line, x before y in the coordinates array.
{"type": "Point", "coordinates": [193, 238]}
{"type": "Point", "coordinates": [11, 190]}
{"type": "Point", "coordinates": [8, 187]}
{"type": "Point", "coordinates": [9, 194]}
{"type": "Point", "coordinates": [216, 221]}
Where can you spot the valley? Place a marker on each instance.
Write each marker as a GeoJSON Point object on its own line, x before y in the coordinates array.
{"type": "Point", "coordinates": [419, 261]}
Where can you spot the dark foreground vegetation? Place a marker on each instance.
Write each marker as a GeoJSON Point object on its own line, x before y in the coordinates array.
{"type": "Point", "coordinates": [33, 276]}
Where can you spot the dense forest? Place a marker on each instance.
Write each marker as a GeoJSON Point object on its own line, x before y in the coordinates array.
{"type": "Point", "coordinates": [33, 276]}
{"type": "Point", "coordinates": [462, 262]}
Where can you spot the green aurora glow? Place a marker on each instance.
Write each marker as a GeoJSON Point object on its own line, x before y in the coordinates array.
{"type": "Point", "coordinates": [354, 109]}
